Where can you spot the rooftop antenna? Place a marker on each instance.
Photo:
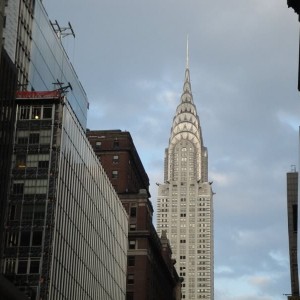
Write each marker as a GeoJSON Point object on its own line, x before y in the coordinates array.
{"type": "Point", "coordinates": [62, 32]}
{"type": "Point", "coordinates": [63, 88]}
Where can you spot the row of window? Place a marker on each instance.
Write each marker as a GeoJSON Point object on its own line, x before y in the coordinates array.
{"type": "Point", "coordinates": [30, 186]}
{"type": "Point", "coordinates": [28, 212]}
{"type": "Point", "coordinates": [42, 137]}
{"type": "Point", "coordinates": [31, 161]}
{"type": "Point", "coordinates": [116, 144]}
{"type": "Point", "coordinates": [24, 239]}
{"type": "Point", "coordinates": [22, 266]}
{"type": "Point", "coordinates": [35, 112]}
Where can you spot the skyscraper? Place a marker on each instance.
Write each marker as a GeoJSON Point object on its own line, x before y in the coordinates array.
{"type": "Point", "coordinates": [65, 227]}
{"type": "Point", "coordinates": [185, 207]}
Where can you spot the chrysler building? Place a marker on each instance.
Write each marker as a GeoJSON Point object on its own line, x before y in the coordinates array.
{"type": "Point", "coordinates": [185, 200]}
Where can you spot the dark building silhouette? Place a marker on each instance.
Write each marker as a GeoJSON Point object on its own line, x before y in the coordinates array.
{"type": "Point", "coordinates": [9, 292]}
{"type": "Point", "coordinates": [292, 208]}
{"type": "Point", "coordinates": [8, 81]}
{"type": "Point", "coordinates": [295, 5]}
{"type": "Point", "coordinates": [151, 274]}
{"type": "Point", "coordinates": [2, 6]}
{"type": "Point", "coordinates": [8, 85]}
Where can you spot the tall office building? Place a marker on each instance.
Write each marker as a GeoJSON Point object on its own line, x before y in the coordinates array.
{"type": "Point", "coordinates": [66, 229]}
{"type": "Point", "coordinates": [185, 200]}
{"type": "Point", "coordinates": [17, 35]}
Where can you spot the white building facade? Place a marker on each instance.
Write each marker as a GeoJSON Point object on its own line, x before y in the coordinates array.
{"type": "Point", "coordinates": [185, 200]}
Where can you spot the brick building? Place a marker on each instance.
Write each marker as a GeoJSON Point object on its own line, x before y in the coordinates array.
{"type": "Point", "coordinates": [151, 273]}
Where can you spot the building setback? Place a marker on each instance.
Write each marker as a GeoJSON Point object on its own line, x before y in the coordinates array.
{"type": "Point", "coordinates": [185, 200]}
{"type": "Point", "coordinates": [150, 272]}
{"type": "Point", "coordinates": [66, 229]}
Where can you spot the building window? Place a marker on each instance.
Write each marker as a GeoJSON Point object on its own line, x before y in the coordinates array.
{"type": "Point", "coordinates": [116, 144]}
{"type": "Point", "coordinates": [23, 140]}
{"type": "Point", "coordinates": [131, 261]}
{"type": "Point", "coordinates": [132, 227]}
{"type": "Point", "coordinates": [18, 188]}
{"type": "Point", "coordinates": [36, 112]}
{"type": "Point", "coordinates": [39, 212]}
{"type": "Point", "coordinates": [34, 138]}
{"type": "Point", "coordinates": [37, 186]}
{"type": "Point", "coordinates": [27, 212]}
{"type": "Point", "coordinates": [98, 145]}
{"type": "Point", "coordinates": [12, 239]}
{"type": "Point", "coordinates": [114, 174]}
{"type": "Point", "coordinates": [22, 267]}
{"type": "Point", "coordinates": [47, 112]}
{"type": "Point", "coordinates": [20, 161]}
{"type": "Point", "coordinates": [10, 265]}
{"type": "Point", "coordinates": [130, 279]}
{"type": "Point", "coordinates": [34, 266]}
{"type": "Point", "coordinates": [132, 244]}
{"type": "Point", "coordinates": [133, 211]}
{"type": "Point", "coordinates": [12, 213]}
{"type": "Point", "coordinates": [25, 238]}
{"type": "Point", "coordinates": [37, 237]}
{"type": "Point", "coordinates": [24, 112]}
{"type": "Point", "coordinates": [115, 159]}
{"type": "Point", "coordinates": [44, 164]}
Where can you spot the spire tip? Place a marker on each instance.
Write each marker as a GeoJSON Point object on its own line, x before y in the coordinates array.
{"type": "Point", "coordinates": [187, 51]}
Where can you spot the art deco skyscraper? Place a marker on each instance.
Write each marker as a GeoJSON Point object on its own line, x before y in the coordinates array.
{"type": "Point", "coordinates": [185, 208]}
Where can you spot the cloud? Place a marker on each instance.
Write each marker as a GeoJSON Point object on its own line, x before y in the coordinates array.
{"type": "Point", "coordinates": [221, 179]}
{"type": "Point", "coordinates": [260, 281]}
{"type": "Point", "coordinates": [223, 270]}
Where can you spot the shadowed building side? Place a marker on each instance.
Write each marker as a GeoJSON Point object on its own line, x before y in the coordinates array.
{"type": "Point", "coordinates": [8, 85]}
{"type": "Point", "coordinates": [292, 208]}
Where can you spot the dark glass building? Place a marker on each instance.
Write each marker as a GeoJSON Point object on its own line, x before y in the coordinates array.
{"type": "Point", "coordinates": [66, 229]}
{"type": "Point", "coordinates": [8, 85]}
{"type": "Point", "coordinates": [37, 50]}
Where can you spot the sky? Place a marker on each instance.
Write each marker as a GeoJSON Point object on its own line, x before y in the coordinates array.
{"type": "Point", "coordinates": [130, 58]}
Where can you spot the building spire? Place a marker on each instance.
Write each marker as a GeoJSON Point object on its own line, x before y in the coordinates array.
{"type": "Point", "coordinates": [187, 81]}
{"type": "Point", "coordinates": [187, 51]}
